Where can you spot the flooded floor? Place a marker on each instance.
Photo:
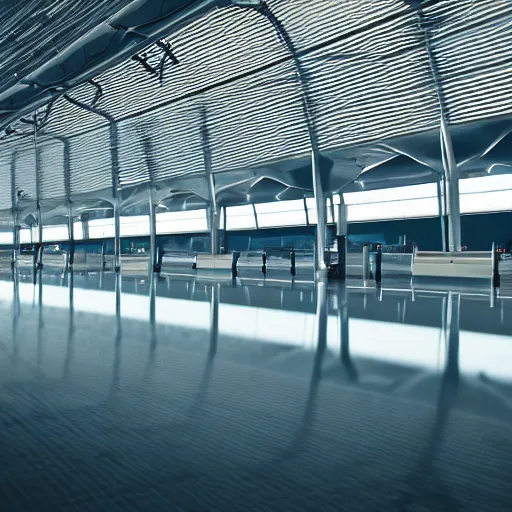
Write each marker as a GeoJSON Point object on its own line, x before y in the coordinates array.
{"type": "Point", "coordinates": [188, 395]}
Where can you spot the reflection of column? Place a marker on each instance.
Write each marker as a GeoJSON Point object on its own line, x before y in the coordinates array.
{"type": "Point", "coordinates": [71, 328]}
{"type": "Point", "coordinates": [214, 318]}
{"type": "Point", "coordinates": [199, 402]}
{"type": "Point", "coordinates": [452, 333]}
{"type": "Point", "coordinates": [343, 321]}
{"type": "Point", "coordinates": [117, 341]}
{"type": "Point", "coordinates": [40, 324]}
{"type": "Point", "coordinates": [424, 471]}
{"type": "Point", "coordinates": [153, 338]}
{"type": "Point", "coordinates": [15, 317]}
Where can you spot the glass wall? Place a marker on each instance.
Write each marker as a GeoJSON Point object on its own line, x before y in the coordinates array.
{"type": "Point", "coordinates": [191, 221]}
{"type": "Point", "coordinates": [486, 194]}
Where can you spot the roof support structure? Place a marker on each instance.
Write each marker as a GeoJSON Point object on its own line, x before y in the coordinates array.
{"type": "Point", "coordinates": [213, 210]}
{"type": "Point", "coordinates": [318, 190]}
{"type": "Point", "coordinates": [15, 221]}
{"type": "Point", "coordinates": [38, 255]}
{"type": "Point", "coordinates": [114, 156]}
{"type": "Point", "coordinates": [451, 170]}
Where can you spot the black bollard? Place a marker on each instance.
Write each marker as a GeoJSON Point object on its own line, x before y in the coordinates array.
{"type": "Point", "coordinates": [293, 270]}
{"type": "Point", "coordinates": [496, 278]}
{"type": "Point", "coordinates": [378, 265]}
{"type": "Point", "coordinates": [264, 260]}
{"type": "Point", "coordinates": [234, 263]}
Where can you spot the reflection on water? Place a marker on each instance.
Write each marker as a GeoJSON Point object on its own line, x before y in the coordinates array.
{"type": "Point", "coordinates": [265, 377]}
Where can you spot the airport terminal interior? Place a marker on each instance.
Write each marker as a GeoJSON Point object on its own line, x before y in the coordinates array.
{"type": "Point", "coordinates": [256, 255]}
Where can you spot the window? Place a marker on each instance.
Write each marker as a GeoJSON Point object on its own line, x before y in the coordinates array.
{"type": "Point", "coordinates": [181, 222]}
{"type": "Point", "coordinates": [77, 231]}
{"type": "Point", "coordinates": [486, 194]}
{"type": "Point", "coordinates": [25, 236]}
{"type": "Point", "coordinates": [55, 233]}
{"type": "Point", "coordinates": [101, 228]}
{"type": "Point", "coordinates": [240, 217]}
{"type": "Point", "coordinates": [393, 203]}
{"type": "Point", "coordinates": [281, 213]}
{"type": "Point", "coordinates": [134, 226]}
{"type": "Point", "coordinates": [312, 213]}
{"type": "Point", "coordinates": [6, 237]}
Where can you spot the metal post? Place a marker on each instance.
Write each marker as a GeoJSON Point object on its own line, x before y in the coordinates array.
{"type": "Point", "coordinates": [452, 189]}
{"type": "Point", "coordinates": [14, 203]}
{"type": "Point", "coordinates": [366, 261]}
{"type": "Point", "coordinates": [441, 210]}
{"type": "Point", "coordinates": [225, 231]}
{"type": "Point", "coordinates": [210, 181]}
{"type": "Point", "coordinates": [153, 249]}
{"type": "Point", "coordinates": [451, 171]}
{"type": "Point", "coordinates": [496, 257]}
{"type": "Point", "coordinates": [85, 228]}
{"type": "Point", "coordinates": [341, 237]}
{"type": "Point", "coordinates": [117, 237]}
{"type": "Point", "coordinates": [213, 225]}
{"type": "Point", "coordinates": [71, 236]}
{"type": "Point", "coordinates": [378, 265]}
{"type": "Point", "coordinates": [321, 212]}
{"type": "Point", "coordinates": [114, 155]}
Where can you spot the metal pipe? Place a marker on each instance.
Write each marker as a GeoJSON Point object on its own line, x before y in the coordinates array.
{"type": "Point", "coordinates": [321, 227]}
{"type": "Point", "coordinates": [452, 190]}
{"type": "Point", "coordinates": [441, 210]}
{"type": "Point", "coordinates": [14, 204]}
{"type": "Point", "coordinates": [225, 232]}
{"type": "Point", "coordinates": [153, 250]}
{"type": "Point", "coordinates": [71, 236]}
{"type": "Point", "coordinates": [210, 181]}
{"type": "Point", "coordinates": [38, 260]}
{"type": "Point", "coordinates": [117, 237]}
{"type": "Point", "coordinates": [366, 262]}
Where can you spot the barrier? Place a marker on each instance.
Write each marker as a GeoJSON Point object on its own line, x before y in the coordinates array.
{"type": "Point", "coordinates": [455, 268]}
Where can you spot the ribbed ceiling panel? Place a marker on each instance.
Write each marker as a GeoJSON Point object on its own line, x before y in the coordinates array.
{"type": "Point", "coordinates": [5, 180]}
{"type": "Point", "coordinates": [90, 159]}
{"type": "Point", "coordinates": [373, 86]}
{"type": "Point", "coordinates": [257, 119]}
{"type": "Point", "coordinates": [25, 168]}
{"type": "Point", "coordinates": [472, 43]}
{"type": "Point", "coordinates": [51, 169]}
{"type": "Point", "coordinates": [367, 78]}
{"type": "Point", "coordinates": [161, 145]}
{"type": "Point", "coordinates": [217, 48]}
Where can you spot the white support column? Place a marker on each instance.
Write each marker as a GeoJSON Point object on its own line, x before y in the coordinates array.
{"type": "Point", "coordinates": [321, 212]}
{"type": "Point", "coordinates": [71, 237]}
{"type": "Point", "coordinates": [85, 229]}
{"type": "Point", "coordinates": [442, 214]}
{"type": "Point", "coordinates": [452, 189]}
{"type": "Point", "coordinates": [153, 250]}
{"type": "Point", "coordinates": [117, 237]}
